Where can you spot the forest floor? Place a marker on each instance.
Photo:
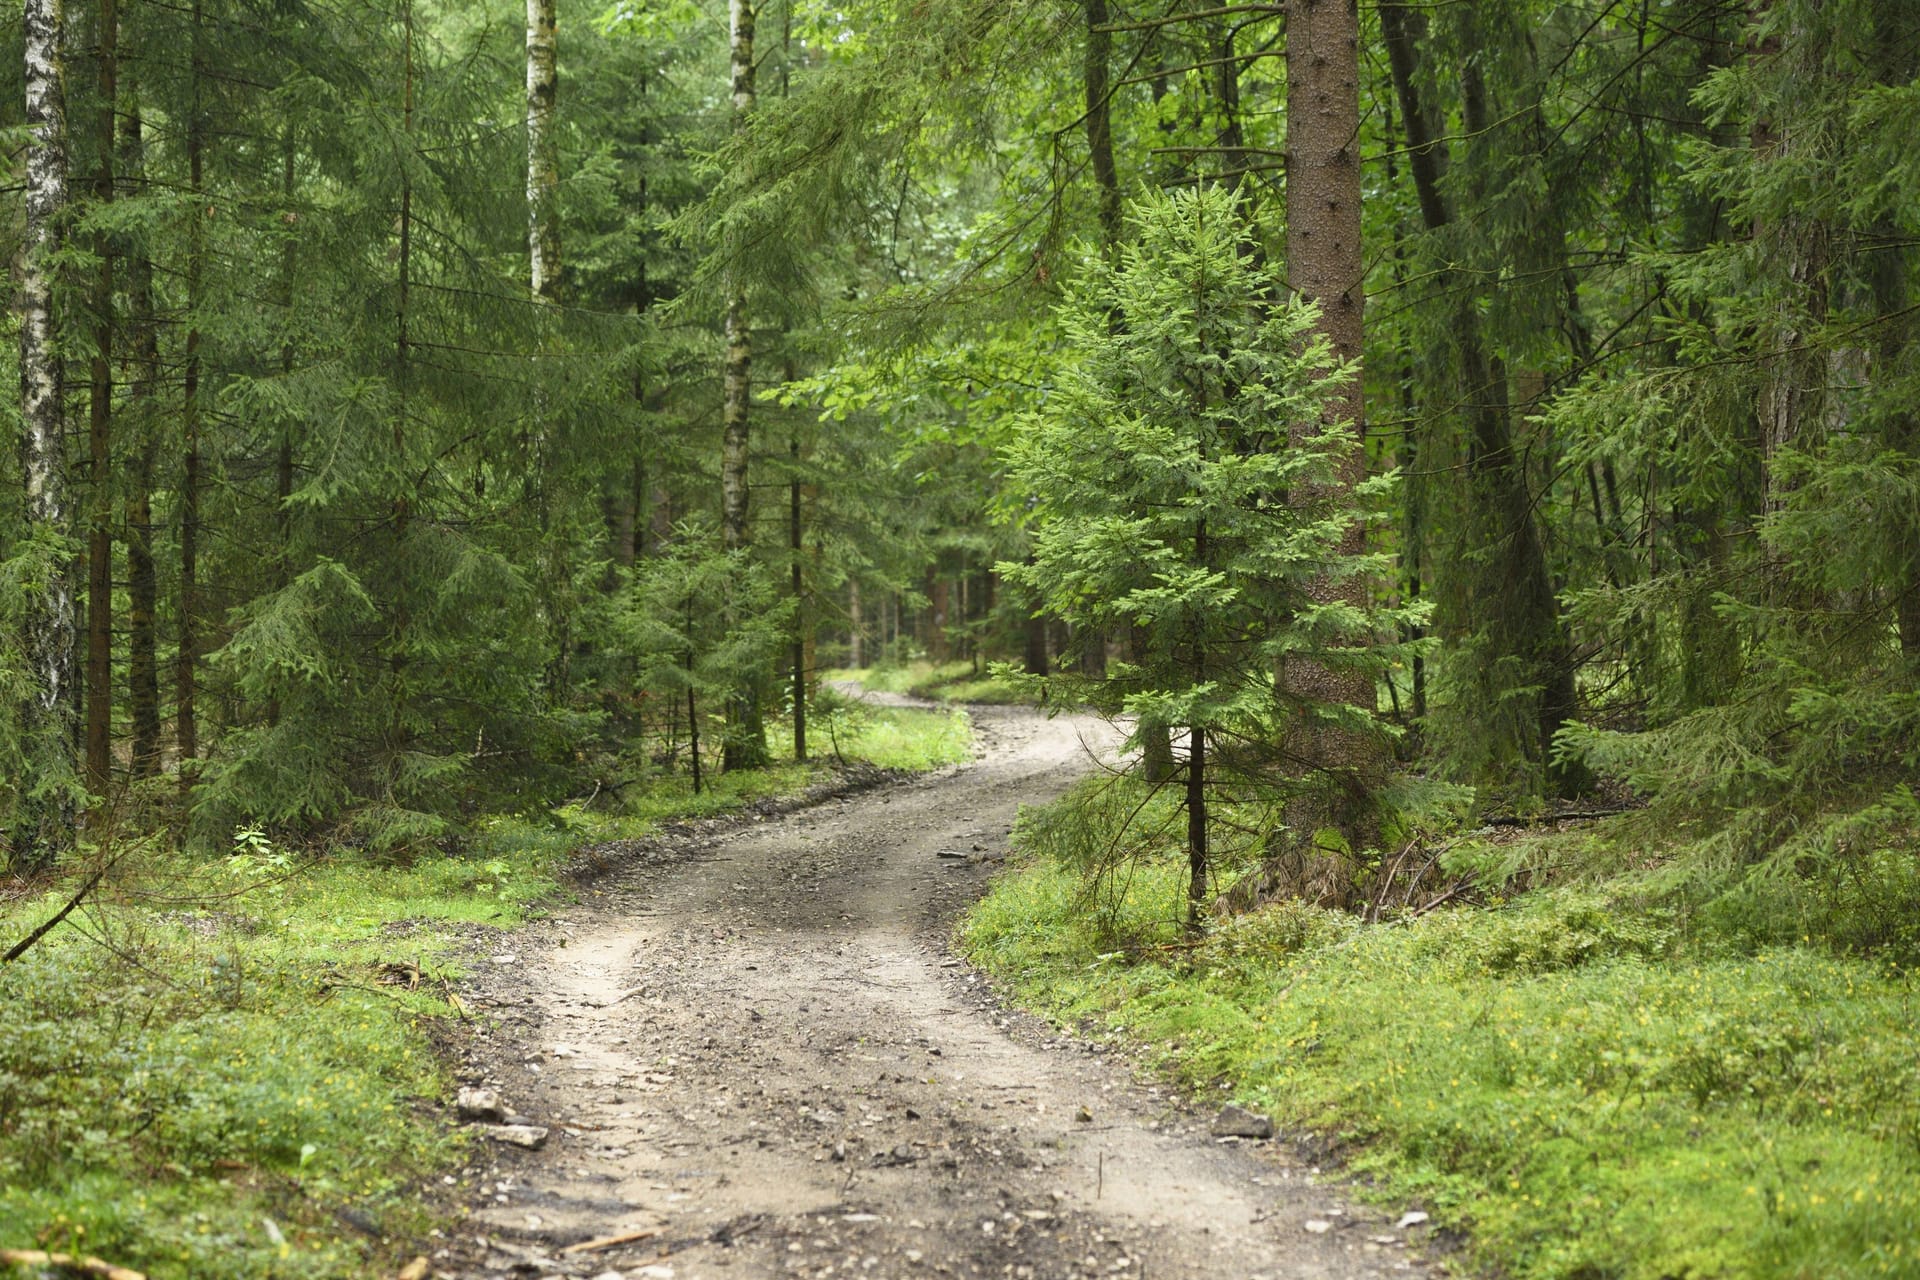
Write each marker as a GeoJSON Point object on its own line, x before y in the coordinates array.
{"type": "Point", "coordinates": [754, 1043]}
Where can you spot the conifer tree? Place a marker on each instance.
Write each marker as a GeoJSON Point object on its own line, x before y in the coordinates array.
{"type": "Point", "coordinates": [746, 743]}
{"type": "Point", "coordinates": [1162, 504]}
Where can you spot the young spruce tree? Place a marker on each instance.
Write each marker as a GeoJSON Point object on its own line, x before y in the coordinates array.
{"type": "Point", "coordinates": [1185, 482]}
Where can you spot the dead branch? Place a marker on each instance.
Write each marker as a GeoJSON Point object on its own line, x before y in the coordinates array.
{"type": "Point", "coordinates": [608, 1242]}
{"type": "Point", "coordinates": [20, 947]}
{"type": "Point", "coordinates": [87, 1266]}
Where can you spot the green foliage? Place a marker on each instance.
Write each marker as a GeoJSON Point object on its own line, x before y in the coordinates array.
{"type": "Point", "coordinates": [1584, 1087]}
{"type": "Point", "coordinates": [252, 1067]}
{"type": "Point", "coordinates": [1187, 485]}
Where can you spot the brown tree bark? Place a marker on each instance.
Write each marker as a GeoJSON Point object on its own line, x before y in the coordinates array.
{"type": "Point", "coordinates": [1530, 628]}
{"type": "Point", "coordinates": [186, 677]}
{"type": "Point", "coordinates": [143, 668]}
{"type": "Point", "coordinates": [800, 631]}
{"type": "Point", "coordinates": [856, 627]}
{"type": "Point", "coordinates": [746, 738]}
{"type": "Point", "coordinates": [1106, 177]}
{"type": "Point", "coordinates": [1325, 266]}
{"type": "Point", "coordinates": [99, 736]}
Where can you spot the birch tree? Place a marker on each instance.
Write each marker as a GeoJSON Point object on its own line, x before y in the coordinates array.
{"type": "Point", "coordinates": [43, 823]}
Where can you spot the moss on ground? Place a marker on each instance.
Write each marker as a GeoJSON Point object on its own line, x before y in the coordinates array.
{"type": "Point", "coordinates": [1584, 1085]}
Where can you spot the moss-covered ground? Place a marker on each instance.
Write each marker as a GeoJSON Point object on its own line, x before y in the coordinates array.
{"type": "Point", "coordinates": [1585, 1082]}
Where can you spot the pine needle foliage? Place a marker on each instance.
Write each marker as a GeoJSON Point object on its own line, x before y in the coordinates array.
{"type": "Point", "coordinates": [1185, 486]}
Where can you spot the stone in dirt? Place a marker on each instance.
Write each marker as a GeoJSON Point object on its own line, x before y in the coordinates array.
{"type": "Point", "coordinates": [1237, 1122]}
{"type": "Point", "coordinates": [480, 1104]}
{"type": "Point", "coordinates": [531, 1136]}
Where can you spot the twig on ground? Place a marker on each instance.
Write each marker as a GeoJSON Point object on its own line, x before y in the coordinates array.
{"type": "Point", "coordinates": [90, 1266]}
{"type": "Point", "coordinates": [608, 1242]}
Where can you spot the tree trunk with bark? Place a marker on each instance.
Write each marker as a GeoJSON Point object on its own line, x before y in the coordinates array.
{"type": "Point", "coordinates": [746, 738]}
{"type": "Point", "coordinates": [186, 667]}
{"type": "Point", "coordinates": [1325, 266]}
{"type": "Point", "coordinates": [1530, 627]}
{"type": "Point", "coordinates": [99, 758]}
{"type": "Point", "coordinates": [44, 806]}
{"type": "Point", "coordinates": [143, 668]}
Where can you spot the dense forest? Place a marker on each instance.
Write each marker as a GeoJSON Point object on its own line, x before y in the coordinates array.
{"type": "Point", "coordinates": [401, 430]}
{"type": "Point", "coordinates": [1397, 417]}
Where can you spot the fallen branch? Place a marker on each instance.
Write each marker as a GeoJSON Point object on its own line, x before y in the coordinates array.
{"type": "Point", "coordinates": [1570, 815]}
{"type": "Point", "coordinates": [608, 1242]}
{"type": "Point", "coordinates": [20, 947]}
{"type": "Point", "coordinates": [40, 1258]}
{"type": "Point", "coordinates": [1442, 900]}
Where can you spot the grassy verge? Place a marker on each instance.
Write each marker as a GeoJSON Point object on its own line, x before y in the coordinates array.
{"type": "Point", "coordinates": [1590, 1088]}
{"type": "Point", "coordinates": [947, 682]}
{"type": "Point", "coordinates": [226, 1070]}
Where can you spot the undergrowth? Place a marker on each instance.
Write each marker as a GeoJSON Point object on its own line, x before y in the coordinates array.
{"type": "Point", "coordinates": [957, 681]}
{"type": "Point", "coordinates": [223, 1069]}
{"type": "Point", "coordinates": [1594, 1078]}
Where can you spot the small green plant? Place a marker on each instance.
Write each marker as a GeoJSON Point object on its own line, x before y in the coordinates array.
{"type": "Point", "coordinates": [254, 855]}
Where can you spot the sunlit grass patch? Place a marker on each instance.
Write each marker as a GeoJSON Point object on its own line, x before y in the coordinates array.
{"type": "Point", "coordinates": [957, 681]}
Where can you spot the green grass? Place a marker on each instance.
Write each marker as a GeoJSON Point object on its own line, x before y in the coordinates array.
{"type": "Point", "coordinates": [1586, 1089]}
{"type": "Point", "coordinates": [217, 1044]}
{"type": "Point", "coordinates": [946, 682]}
{"type": "Point", "coordinates": [184, 1073]}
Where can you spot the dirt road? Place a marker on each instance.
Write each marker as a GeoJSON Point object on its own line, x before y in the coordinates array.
{"type": "Point", "coordinates": [755, 1044]}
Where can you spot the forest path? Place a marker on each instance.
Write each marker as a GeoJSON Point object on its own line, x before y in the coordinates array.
{"type": "Point", "coordinates": [757, 1044]}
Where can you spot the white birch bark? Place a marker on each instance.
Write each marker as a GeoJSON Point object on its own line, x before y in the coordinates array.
{"type": "Point", "coordinates": [44, 819]}
{"type": "Point", "coordinates": [543, 167]}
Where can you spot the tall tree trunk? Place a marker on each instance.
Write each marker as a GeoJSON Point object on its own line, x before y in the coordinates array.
{"type": "Point", "coordinates": [1099, 121]}
{"type": "Point", "coordinates": [283, 462]}
{"type": "Point", "coordinates": [1199, 856]}
{"type": "Point", "coordinates": [44, 807]}
{"type": "Point", "coordinates": [543, 260]}
{"type": "Point", "coordinates": [143, 668]}
{"type": "Point", "coordinates": [398, 728]}
{"type": "Point", "coordinates": [1799, 247]}
{"type": "Point", "coordinates": [1035, 657]}
{"type": "Point", "coordinates": [186, 676]}
{"type": "Point", "coordinates": [99, 768]}
{"type": "Point", "coordinates": [939, 616]}
{"type": "Point", "coordinates": [1106, 180]}
{"type": "Point", "coordinates": [543, 166]}
{"type": "Point", "coordinates": [746, 738]}
{"type": "Point", "coordinates": [856, 646]}
{"type": "Point", "coordinates": [794, 532]}
{"type": "Point", "coordinates": [1324, 266]}
{"type": "Point", "coordinates": [1530, 628]}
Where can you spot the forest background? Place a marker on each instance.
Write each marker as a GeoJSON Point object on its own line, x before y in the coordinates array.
{"type": "Point", "coordinates": [426, 416]}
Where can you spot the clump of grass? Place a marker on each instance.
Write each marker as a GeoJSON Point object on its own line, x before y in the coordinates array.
{"type": "Point", "coordinates": [1588, 1087]}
